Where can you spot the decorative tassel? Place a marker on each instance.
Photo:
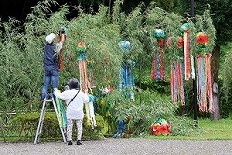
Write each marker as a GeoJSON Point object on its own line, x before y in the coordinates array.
{"type": "Point", "coordinates": [205, 91]}
{"type": "Point", "coordinates": [157, 71]}
{"type": "Point", "coordinates": [180, 83]}
{"type": "Point", "coordinates": [177, 88]}
{"type": "Point", "coordinates": [126, 72]}
{"type": "Point", "coordinates": [172, 81]}
{"type": "Point", "coordinates": [61, 114]}
{"type": "Point", "coordinates": [202, 98]}
{"type": "Point", "coordinates": [81, 48]}
{"type": "Point", "coordinates": [128, 81]}
{"type": "Point", "coordinates": [175, 83]}
{"type": "Point", "coordinates": [157, 65]}
{"type": "Point", "coordinates": [209, 82]}
{"type": "Point", "coordinates": [84, 82]}
{"type": "Point", "coordinates": [187, 60]}
{"type": "Point", "coordinates": [83, 75]}
{"type": "Point", "coordinates": [192, 67]}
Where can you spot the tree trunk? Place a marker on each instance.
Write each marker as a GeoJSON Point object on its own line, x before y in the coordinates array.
{"type": "Point", "coordinates": [215, 68]}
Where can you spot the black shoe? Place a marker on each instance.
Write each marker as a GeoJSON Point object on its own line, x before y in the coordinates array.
{"type": "Point", "coordinates": [70, 142]}
{"type": "Point", "coordinates": [79, 142]}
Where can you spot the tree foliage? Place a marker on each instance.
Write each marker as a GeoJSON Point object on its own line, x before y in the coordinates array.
{"type": "Point", "coordinates": [21, 47]}
{"type": "Point", "coordinates": [221, 13]}
{"type": "Point", "coordinates": [22, 51]}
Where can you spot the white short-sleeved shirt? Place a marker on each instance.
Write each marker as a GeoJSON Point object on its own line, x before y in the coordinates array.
{"type": "Point", "coordinates": [75, 108]}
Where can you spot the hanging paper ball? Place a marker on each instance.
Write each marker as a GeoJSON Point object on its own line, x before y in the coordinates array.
{"type": "Point", "coordinates": [161, 42]}
{"type": "Point", "coordinates": [184, 27]}
{"type": "Point", "coordinates": [202, 40]}
{"type": "Point", "coordinates": [81, 48]}
{"type": "Point", "coordinates": [159, 33]}
{"type": "Point", "coordinates": [180, 42]}
{"type": "Point", "coordinates": [125, 45]}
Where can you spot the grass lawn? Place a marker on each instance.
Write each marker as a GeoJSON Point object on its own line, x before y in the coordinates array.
{"type": "Point", "coordinates": [207, 130]}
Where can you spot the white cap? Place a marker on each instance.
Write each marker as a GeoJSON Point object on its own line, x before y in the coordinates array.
{"type": "Point", "coordinates": [50, 38]}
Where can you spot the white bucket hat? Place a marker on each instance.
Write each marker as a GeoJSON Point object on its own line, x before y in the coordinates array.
{"type": "Point", "coordinates": [50, 38]}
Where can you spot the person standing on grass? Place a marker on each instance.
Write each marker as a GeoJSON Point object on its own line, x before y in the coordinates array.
{"type": "Point", "coordinates": [75, 100]}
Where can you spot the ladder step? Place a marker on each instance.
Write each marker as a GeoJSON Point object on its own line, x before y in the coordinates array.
{"type": "Point", "coordinates": [48, 100]}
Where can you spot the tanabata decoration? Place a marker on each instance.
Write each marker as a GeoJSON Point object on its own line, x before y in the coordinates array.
{"type": "Point", "coordinates": [90, 112]}
{"type": "Point", "coordinates": [204, 75]}
{"type": "Point", "coordinates": [62, 119]}
{"type": "Point", "coordinates": [187, 56]}
{"type": "Point", "coordinates": [81, 49]}
{"type": "Point", "coordinates": [202, 40]}
{"type": "Point", "coordinates": [62, 39]}
{"type": "Point", "coordinates": [61, 114]}
{"type": "Point", "coordinates": [84, 81]}
{"type": "Point", "coordinates": [177, 87]}
{"type": "Point", "coordinates": [160, 127]}
{"type": "Point", "coordinates": [128, 79]}
{"type": "Point", "coordinates": [180, 42]}
{"type": "Point", "coordinates": [157, 71]}
{"type": "Point", "coordinates": [127, 75]}
{"type": "Point", "coordinates": [127, 83]}
{"type": "Point", "coordinates": [159, 34]}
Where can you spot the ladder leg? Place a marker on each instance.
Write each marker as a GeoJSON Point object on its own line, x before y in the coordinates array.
{"type": "Point", "coordinates": [40, 124]}
{"type": "Point", "coordinates": [61, 129]}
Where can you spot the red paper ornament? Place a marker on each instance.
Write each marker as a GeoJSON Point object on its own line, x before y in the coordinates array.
{"type": "Point", "coordinates": [202, 39]}
{"type": "Point", "coordinates": [180, 42]}
{"type": "Point", "coordinates": [161, 43]}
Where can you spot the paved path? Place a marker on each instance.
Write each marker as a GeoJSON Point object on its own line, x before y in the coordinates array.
{"type": "Point", "coordinates": [121, 146]}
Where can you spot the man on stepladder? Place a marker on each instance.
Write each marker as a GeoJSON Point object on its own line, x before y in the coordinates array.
{"type": "Point", "coordinates": [51, 77]}
{"type": "Point", "coordinates": [75, 100]}
{"type": "Point", "coordinates": [51, 62]}
{"type": "Point", "coordinates": [51, 66]}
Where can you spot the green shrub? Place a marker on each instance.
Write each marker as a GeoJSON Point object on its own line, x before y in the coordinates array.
{"type": "Point", "coordinates": [148, 107]}
{"type": "Point", "coordinates": [182, 126]}
{"type": "Point", "coordinates": [98, 132]}
{"type": "Point", "coordinates": [142, 112]}
{"type": "Point", "coordinates": [26, 125]}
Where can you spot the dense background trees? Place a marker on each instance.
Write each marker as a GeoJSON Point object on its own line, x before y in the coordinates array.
{"type": "Point", "coordinates": [220, 9]}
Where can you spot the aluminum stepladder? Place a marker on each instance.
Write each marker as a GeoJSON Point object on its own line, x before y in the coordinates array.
{"type": "Point", "coordinates": [1, 125]}
{"type": "Point", "coordinates": [41, 119]}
